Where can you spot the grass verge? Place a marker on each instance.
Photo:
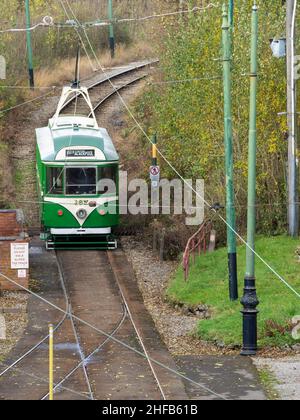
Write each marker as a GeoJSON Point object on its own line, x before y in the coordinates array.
{"type": "Point", "coordinates": [269, 383]}
{"type": "Point", "coordinates": [208, 284]}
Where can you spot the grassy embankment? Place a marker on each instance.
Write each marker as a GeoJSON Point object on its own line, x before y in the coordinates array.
{"type": "Point", "coordinates": [208, 285]}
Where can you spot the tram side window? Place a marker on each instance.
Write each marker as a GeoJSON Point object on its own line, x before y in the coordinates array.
{"type": "Point", "coordinates": [55, 180]}
{"type": "Point", "coordinates": [107, 174]}
{"type": "Point", "coordinates": [81, 181]}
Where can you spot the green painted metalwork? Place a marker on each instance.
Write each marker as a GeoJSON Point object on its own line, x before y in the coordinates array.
{"type": "Point", "coordinates": [51, 218]}
{"type": "Point", "coordinates": [111, 28]}
{"type": "Point", "coordinates": [231, 13]}
{"type": "Point", "coordinates": [51, 142]}
{"type": "Point", "coordinates": [29, 46]}
{"type": "Point", "coordinates": [228, 137]}
{"type": "Point", "coordinates": [251, 223]}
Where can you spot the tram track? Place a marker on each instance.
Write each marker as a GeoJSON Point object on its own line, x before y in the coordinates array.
{"type": "Point", "coordinates": [118, 318]}
{"type": "Point", "coordinates": [84, 359]}
{"type": "Point", "coordinates": [101, 91]}
{"type": "Point", "coordinates": [105, 88]}
{"type": "Point", "coordinates": [91, 349]}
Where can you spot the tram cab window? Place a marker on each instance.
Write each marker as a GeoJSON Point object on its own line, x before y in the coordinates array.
{"type": "Point", "coordinates": [81, 181]}
{"type": "Point", "coordinates": [55, 180]}
{"type": "Point", "coordinates": [107, 178]}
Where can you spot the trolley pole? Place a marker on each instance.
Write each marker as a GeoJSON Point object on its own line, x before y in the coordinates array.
{"type": "Point", "coordinates": [230, 208]}
{"type": "Point", "coordinates": [250, 300]}
{"type": "Point", "coordinates": [29, 46]}
{"type": "Point", "coordinates": [111, 29]}
{"type": "Point", "coordinates": [293, 214]}
{"type": "Point", "coordinates": [51, 360]}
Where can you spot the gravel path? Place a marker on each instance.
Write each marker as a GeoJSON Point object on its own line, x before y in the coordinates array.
{"type": "Point", "coordinates": [286, 373]}
{"type": "Point", "coordinates": [13, 306]}
{"type": "Point", "coordinates": [175, 327]}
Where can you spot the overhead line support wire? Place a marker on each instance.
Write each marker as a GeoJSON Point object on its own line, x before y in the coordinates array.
{"type": "Point", "coordinates": [111, 337]}
{"type": "Point", "coordinates": [186, 183]}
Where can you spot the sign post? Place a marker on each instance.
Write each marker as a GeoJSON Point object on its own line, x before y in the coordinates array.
{"type": "Point", "coordinates": [154, 178]}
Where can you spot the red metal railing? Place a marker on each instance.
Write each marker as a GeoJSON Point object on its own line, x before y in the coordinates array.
{"type": "Point", "coordinates": [196, 245]}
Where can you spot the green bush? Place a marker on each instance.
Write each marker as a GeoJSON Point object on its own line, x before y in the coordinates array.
{"type": "Point", "coordinates": [189, 116]}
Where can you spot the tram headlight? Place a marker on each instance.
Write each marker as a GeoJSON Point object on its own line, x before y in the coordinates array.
{"type": "Point", "coordinates": [81, 214]}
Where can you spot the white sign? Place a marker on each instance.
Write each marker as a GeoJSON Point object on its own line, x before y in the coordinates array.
{"type": "Point", "coordinates": [155, 176]}
{"type": "Point", "coordinates": [2, 328]}
{"type": "Point", "coordinates": [22, 274]}
{"type": "Point", "coordinates": [2, 68]}
{"type": "Point", "coordinates": [154, 170]}
{"type": "Point", "coordinates": [19, 254]}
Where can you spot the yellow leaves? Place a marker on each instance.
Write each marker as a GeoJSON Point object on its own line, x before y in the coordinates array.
{"type": "Point", "coordinates": [273, 143]}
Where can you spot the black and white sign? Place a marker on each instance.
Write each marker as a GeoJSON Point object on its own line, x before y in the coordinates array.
{"type": "Point", "coordinates": [80, 153]}
{"type": "Point", "coordinates": [155, 176]}
{"type": "Point", "coordinates": [19, 253]}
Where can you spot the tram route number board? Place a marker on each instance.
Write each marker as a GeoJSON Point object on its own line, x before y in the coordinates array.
{"type": "Point", "coordinates": [80, 153]}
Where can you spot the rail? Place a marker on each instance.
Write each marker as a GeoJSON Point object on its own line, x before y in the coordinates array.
{"type": "Point", "coordinates": [202, 241]}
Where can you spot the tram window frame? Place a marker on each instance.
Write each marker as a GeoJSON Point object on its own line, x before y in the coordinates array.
{"type": "Point", "coordinates": [113, 177]}
{"type": "Point", "coordinates": [52, 188]}
{"type": "Point", "coordinates": [80, 185]}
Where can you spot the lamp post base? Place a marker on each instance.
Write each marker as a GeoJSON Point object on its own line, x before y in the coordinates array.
{"type": "Point", "coordinates": [233, 280]}
{"type": "Point", "coordinates": [250, 302]}
{"type": "Point", "coordinates": [248, 353]}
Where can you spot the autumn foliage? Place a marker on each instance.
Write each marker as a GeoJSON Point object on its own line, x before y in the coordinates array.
{"type": "Point", "coordinates": [185, 106]}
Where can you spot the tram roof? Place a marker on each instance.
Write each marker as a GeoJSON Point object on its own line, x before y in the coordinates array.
{"type": "Point", "coordinates": [73, 132]}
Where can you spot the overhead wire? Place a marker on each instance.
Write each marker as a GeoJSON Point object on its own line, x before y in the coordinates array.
{"type": "Point", "coordinates": [79, 36]}
{"type": "Point", "coordinates": [167, 161]}
{"type": "Point", "coordinates": [44, 380]}
{"type": "Point", "coordinates": [112, 338]}
{"type": "Point", "coordinates": [46, 22]}
{"type": "Point", "coordinates": [174, 169]}
{"type": "Point", "coordinates": [2, 111]}
{"type": "Point", "coordinates": [281, 278]}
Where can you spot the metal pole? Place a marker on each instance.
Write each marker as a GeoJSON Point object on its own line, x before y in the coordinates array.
{"type": "Point", "coordinates": [231, 13]}
{"type": "Point", "coordinates": [155, 179]}
{"type": "Point", "coordinates": [230, 208]}
{"type": "Point", "coordinates": [51, 360]}
{"type": "Point", "coordinates": [29, 47]}
{"type": "Point", "coordinates": [293, 214]}
{"type": "Point", "coordinates": [111, 29]}
{"type": "Point", "coordinates": [154, 150]}
{"type": "Point", "coordinates": [250, 300]}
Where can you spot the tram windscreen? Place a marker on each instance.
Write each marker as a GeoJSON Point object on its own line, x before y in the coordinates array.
{"type": "Point", "coordinates": [55, 180]}
{"type": "Point", "coordinates": [81, 181]}
{"type": "Point", "coordinates": [107, 178]}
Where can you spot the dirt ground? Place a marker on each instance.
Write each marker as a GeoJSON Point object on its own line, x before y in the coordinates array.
{"type": "Point", "coordinates": [175, 327]}
{"type": "Point", "coordinates": [13, 307]}
{"type": "Point", "coordinates": [153, 277]}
